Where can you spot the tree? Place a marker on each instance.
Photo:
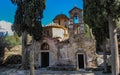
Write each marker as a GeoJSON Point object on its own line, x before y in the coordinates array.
{"type": "Point", "coordinates": [99, 28]}
{"type": "Point", "coordinates": [107, 11]}
{"type": "Point", "coordinates": [3, 44]}
{"type": "Point", "coordinates": [28, 21]}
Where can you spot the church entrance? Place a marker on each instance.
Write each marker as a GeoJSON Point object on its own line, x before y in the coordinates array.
{"type": "Point", "coordinates": [81, 61]}
{"type": "Point", "coordinates": [44, 59]}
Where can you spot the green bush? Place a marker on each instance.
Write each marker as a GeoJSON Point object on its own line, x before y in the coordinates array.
{"type": "Point", "coordinates": [13, 59]}
{"type": "Point", "coordinates": [12, 41]}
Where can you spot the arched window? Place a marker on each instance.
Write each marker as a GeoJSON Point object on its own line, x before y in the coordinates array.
{"type": "Point", "coordinates": [44, 46]}
{"type": "Point", "coordinates": [76, 19]}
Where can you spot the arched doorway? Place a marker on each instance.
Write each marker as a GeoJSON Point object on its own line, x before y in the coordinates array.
{"type": "Point", "coordinates": [45, 55]}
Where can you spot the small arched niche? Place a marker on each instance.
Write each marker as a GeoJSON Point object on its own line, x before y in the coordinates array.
{"type": "Point", "coordinates": [45, 46]}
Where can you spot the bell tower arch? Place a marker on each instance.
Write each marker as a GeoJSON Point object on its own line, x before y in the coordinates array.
{"type": "Point", "coordinates": [76, 25]}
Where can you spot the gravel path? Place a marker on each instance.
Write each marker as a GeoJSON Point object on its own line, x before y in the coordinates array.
{"type": "Point", "coordinates": [10, 71]}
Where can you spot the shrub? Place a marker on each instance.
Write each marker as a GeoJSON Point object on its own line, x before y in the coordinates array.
{"type": "Point", "coordinates": [12, 41]}
{"type": "Point", "coordinates": [13, 59]}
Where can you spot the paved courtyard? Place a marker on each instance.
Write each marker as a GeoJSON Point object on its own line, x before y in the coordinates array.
{"type": "Point", "coordinates": [9, 71]}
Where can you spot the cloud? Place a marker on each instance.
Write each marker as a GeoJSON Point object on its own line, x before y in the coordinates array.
{"type": "Point", "coordinates": [7, 26]}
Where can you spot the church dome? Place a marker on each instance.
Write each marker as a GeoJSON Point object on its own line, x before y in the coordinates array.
{"type": "Point", "coordinates": [61, 16]}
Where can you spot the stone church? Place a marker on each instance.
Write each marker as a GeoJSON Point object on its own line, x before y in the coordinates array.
{"type": "Point", "coordinates": [64, 43]}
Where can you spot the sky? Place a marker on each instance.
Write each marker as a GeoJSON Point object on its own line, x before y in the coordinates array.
{"type": "Point", "coordinates": [53, 8]}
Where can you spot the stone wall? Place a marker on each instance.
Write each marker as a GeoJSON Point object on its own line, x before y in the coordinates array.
{"type": "Point", "coordinates": [85, 47]}
{"type": "Point", "coordinates": [66, 52]}
{"type": "Point", "coordinates": [52, 51]}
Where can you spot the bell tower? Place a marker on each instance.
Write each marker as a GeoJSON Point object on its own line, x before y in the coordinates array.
{"type": "Point", "coordinates": [76, 25]}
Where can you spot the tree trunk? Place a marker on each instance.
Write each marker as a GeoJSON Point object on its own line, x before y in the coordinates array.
{"type": "Point", "coordinates": [32, 59]}
{"type": "Point", "coordinates": [24, 44]}
{"type": "Point", "coordinates": [104, 55]}
{"type": "Point", "coordinates": [113, 46]}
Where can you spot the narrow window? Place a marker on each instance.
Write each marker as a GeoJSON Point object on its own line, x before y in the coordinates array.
{"type": "Point", "coordinates": [47, 32]}
{"type": "Point", "coordinates": [59, 21]}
